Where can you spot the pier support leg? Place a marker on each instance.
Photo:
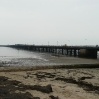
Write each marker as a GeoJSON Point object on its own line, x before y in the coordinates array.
{"type": "Point", "coordinates": [67, 51]}
{"type": "Point", "coordinates": [88, 53]}
{"type": "Point", "coordinates": [74, 53]}
{"type": "Point", "coordinates": [92, 53]}
{"type": "Point", "coordinates": [62, 52]}
{"type": "Point", "coordinates": [70, 52]}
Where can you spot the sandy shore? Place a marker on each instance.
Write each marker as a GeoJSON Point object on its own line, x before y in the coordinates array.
{"type": "Point", "coordinates": [50, 84]}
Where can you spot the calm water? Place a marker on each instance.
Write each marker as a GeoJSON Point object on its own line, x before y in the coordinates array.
{"type": "Point", "coordinates": [10, 56]}
{"type": "Point", "coordinates": [7, 53]}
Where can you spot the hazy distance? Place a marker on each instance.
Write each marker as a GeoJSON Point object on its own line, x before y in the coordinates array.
{"type": "Point", "coordinates": [53, 22]}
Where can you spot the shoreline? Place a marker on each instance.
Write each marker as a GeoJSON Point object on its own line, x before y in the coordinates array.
{"type": "Point", "coordinates": [30, 68]}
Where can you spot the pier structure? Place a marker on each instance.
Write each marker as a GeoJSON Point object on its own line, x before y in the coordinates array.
{"type": "Point", "coordinates": [80, 51]}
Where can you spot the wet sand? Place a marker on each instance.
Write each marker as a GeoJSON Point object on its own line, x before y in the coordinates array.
{"type": "Point", "coordinates": [50, 84]}
{"type": "Point", "coordinates": [47, 60]}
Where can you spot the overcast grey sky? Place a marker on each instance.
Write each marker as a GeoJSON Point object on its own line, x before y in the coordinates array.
{"type": "Point", "coordinates": [71, 22]}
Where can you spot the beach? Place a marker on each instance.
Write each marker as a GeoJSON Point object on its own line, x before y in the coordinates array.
{"type": "Point", "coordinates": [53, 83]}
{"type": "Point", "coordinates": [33, 75]}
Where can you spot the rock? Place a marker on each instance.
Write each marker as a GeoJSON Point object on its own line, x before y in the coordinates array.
{"type": "Point", "coordinates": [53, 97]}
{"type": "Point", "coordinates": [45, 89]}
{"type": "Point", "coordinates": [20, 96]}
{"type": "Point", "coordinates": [83, 78]}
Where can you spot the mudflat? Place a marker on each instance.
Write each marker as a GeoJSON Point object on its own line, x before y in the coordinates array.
{"type": "Point", "coordinates": [46, 59]}
{"type": "Point", "coordinates": [54, 83]}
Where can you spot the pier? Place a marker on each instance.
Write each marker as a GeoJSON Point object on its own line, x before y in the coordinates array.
{"type": "Point", "coordinates": [76, 51]}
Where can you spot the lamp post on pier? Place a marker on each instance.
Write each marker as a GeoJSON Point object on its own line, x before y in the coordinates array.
{"type": "Point", "coordinates": [85, 42]}
{"type": "Point", "coordinates": [57, 43]}
{"type": "Point", "coordinates": [69, 41]}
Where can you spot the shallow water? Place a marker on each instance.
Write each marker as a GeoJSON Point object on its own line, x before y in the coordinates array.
{"type": "Point", "coordinates": [6, 52]}
{"type": "Point", "coordinates": [15, 57]}
{"type": "Point", "coordinates": [10, 56]}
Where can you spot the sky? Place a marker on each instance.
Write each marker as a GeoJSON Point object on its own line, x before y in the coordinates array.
{"type": "Point", "coordinates": [53, 22]}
